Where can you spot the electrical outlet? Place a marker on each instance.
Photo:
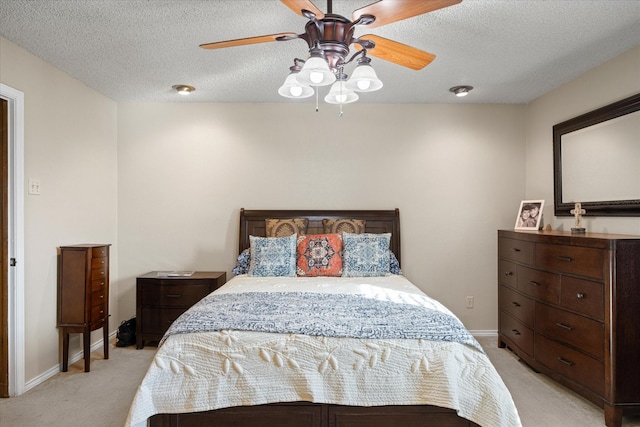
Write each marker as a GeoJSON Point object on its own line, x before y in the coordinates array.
{"type": "Point", "coordinates": [469, 302]}
{"type": "Point", "coordinates": [34, 186]}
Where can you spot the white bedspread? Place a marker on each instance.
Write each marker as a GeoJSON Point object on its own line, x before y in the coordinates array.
{"type": "Point", "coordinates": [212, 370]}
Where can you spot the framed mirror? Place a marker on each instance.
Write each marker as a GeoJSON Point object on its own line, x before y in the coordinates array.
{"type": "Point", "coordinates": [596, 161]}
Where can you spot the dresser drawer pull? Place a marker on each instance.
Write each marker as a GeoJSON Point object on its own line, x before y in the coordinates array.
{"type": "Point", "coordinates": [566, 362]}
{"type": "Point", "coordinates": [515, 249]}
{"type": "Point", "coordinates": [563, 326]}
{"type": "Point", "coordinates": [174, 295]}
{"type": "Point", "coordinates": [516, 332]}
{"type": "Point", "coordinates": [531, 282]}
{"type": "Point", "coordinates": [508, 273]}
{"type": "Point", "coordinates": [515, 303]}
{"type": "Point", "coordinates": [565, 258]}
{"type": "Point", "coordinates": [580, 295]}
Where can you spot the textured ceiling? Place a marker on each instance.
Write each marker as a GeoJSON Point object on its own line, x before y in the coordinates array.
{"type": "Point", "coordinates": [511, 51]}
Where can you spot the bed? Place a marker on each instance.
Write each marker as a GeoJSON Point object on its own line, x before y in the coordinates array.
{"type": "Point", "coordinates": [312, 370]}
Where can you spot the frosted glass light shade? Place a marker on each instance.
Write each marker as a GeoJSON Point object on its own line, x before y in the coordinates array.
{"type": "Point", "coordinates": [292, 88]}
{"type": "Point", "coordinates": [316, 72]}
{"type": "Point", "coordinates": [364, 79]}
{"type": "Point", "coordinates": [340, 94]}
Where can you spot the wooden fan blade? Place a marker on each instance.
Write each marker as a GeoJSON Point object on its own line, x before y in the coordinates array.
{"type": "Point", "coordinates": [298, 5]}
{"type": "Point", "coordinates": [246, 41]}
{"type": "Point", "coordinates": [388, 11]}
{"type": "Point", "coordinates": [397, 53]}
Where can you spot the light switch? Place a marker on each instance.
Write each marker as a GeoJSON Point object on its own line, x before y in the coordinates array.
{"type": "Point", "coordinates": [34, 186]}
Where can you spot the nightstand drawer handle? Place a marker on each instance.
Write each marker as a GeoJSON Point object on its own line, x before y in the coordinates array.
{"type": "Point", "coordinates": [516, 332]}
{"type": "Point", "coordinates": [174, 295]}
{"type": "Point", "coordinates": [508, 273]}
{"type": "Point", "coordinates": [531, 282]}
{"type": "Point", "coordinates": [565, 258]}
{"type": "Point", "coordinates": [515, 303]}
{"type": "Point", "coordinates": [563, 326]}
{"type": "Point", "coordinates": [580, 295]}
{"type": "Point", "coordinates": [566, 362]}
{"type": "Point", "coordinates": [515, 249]}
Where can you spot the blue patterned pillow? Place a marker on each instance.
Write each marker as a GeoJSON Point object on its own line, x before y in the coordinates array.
{"type": "Point", "coordinates": [365, 255]}
{"type": "Point", "coordinates": [394, 264]}
{"type": "Point", "coordinates": [244, 260]}
{"type": "Point", "coordinates": [273, 256]}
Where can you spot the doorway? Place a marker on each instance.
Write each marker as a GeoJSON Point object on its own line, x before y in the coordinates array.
{"type": "Point", "coordinates": [12, 335]}
{"type": "Point", "coordinates": [4, 282]}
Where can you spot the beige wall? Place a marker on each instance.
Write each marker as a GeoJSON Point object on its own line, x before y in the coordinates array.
{"type": "Point", "coordinates": [456, 172]}
{"type": "Point", "coordinates": [610, 82]}
{"type": "Point", "coordinates": [70, 146]}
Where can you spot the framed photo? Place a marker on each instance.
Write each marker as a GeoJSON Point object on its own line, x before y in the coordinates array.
{"type": "Point", "coordinates": [529, 215]}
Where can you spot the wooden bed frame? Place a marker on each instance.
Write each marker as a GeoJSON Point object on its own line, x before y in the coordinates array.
{"type": "Point", "coordinates": [306, 414]}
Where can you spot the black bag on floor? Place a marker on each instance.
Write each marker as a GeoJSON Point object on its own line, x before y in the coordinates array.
{"type": "Point", "coordinates": [126, 333]}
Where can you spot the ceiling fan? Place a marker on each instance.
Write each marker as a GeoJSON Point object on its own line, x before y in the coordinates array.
{"type": "Point", "coordinates": [329, 37]}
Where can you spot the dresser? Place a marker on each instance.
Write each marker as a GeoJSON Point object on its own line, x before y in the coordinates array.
{"type": "Point", "coordinates": [569, 306]}
{"type": "Point", "coordinates": [83, 296]}
{"type": "Point", "coordinates": [160, 299]}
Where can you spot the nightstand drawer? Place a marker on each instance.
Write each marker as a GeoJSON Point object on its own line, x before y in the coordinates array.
{"type": "Point", "coordinates": [157, 321]}
{"type": "Point", "coordinates": [173, 295]}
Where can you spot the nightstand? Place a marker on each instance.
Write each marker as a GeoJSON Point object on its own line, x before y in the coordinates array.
{"type": "Point", "coordinates": [162, 299]}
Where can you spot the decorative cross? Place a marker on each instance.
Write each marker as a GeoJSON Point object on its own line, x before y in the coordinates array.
{"type": "Point", "coordinates": [577, 212]}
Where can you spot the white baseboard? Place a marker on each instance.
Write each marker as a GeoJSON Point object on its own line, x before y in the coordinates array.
{"type": "Point", "coordinates": [482, 333]}
{"type": "Point", "coordinates": [73, 358]}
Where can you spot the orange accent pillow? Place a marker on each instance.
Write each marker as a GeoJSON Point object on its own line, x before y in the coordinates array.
{"type": "Point", "coordinates": [319, 255]}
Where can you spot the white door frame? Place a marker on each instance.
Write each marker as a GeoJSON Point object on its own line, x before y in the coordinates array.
{"type": "Point", "coordinates": [15, 218]}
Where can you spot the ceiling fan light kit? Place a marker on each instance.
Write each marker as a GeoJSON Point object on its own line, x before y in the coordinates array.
{"type": "Point", "coordinates": [329, 37]}
{"type": "Point", "coordinates": [340, 94]}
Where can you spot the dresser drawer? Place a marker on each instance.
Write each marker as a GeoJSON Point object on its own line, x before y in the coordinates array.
{"type": "Point", "coordinates": [541, 285]}
{"type": "Point", "coordinates": [517, 305]}
{"type": "Point", "coordinates": [572, 364]}
{"type": "Point", "coordinates": [507, 273]}
{"type": "Point", "coordinates": [102, 262]}
{"type": "Point", "coordinates": [516, 250]}
{"type": "Point", "coordinates": [98, 284]}
{"type": "Point", "coordinates": [578, 331]}
{"type": "Point", "coordinates": [173, 295]}
{"type": "Point", "coordinates": [97, 313]}
{"type": "Point", "coordinates": [99, 251]}
{"type": "Point", "coordinates": [157, 320]}
{"type": "Point", "coordinates": [571, 259]}
{"type": "Point", "coordinates": [517, 332]}
{"type": "Point", "coordinates": [97, 298]}
{"type": "Point", "coordinates": [99, 273]}
{"type": "Point", "coordinates": [583, 296]}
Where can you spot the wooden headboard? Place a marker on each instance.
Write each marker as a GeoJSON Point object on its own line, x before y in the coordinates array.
{"type": "Point", "coordinates": [384, 221]}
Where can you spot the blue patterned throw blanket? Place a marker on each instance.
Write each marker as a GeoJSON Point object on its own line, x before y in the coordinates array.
{"type": "Point", "coordinates": [319, 314]}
